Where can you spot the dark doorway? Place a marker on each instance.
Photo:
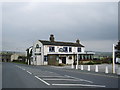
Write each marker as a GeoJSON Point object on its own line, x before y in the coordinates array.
{"type": "Point", "coordinates": [63, 60]}
{"type": "Point", "coordinates": [52, 60]}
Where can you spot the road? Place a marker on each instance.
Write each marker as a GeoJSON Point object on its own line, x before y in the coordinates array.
{"type": "Point", "coordinates": [0, 75]}
{"type": "Point", "coordinates": [27, 76]}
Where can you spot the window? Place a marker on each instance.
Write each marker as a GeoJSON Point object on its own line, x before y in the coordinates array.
{"type": "Point", "coordinates": [70, 49]}
{"type": "Point", "coordinates": [40, 49]}
{"type": "Point", "coordinates": [37, 46]}
{"type": "Point", "coordinates": [51, 49]}
{"type": "Point", "coordinates": [65, 49]}
{"type": "Point", "coordinates": [37, 53]}
{"type": "Point", "coordinates": [79, 49]}
{"type": "Point", "coordinates": [45, 58]}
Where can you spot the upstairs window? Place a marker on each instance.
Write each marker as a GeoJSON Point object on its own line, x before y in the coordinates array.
{"type": "Point", "coordinates": [79, 49]}
{"type": "Point", "coordinates": [51, 49]}
{"type": "Point", "coordinates": [65, 49]}
{"type": "Point", "coordinates": [37, 46]}
{"type": "Point", "coordinates": [70, 49]}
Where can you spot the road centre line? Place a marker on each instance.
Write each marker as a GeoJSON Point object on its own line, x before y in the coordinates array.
{"type": "Point", "coordinates": [22, 68]}
{"type": "Point", "coordinates": [79, 79]}
{"type": "Point", "coordinates": [79, 85]}
{"type": "Point", "coordinates": [42, 80]}
{"type": "Point", "coordinates": [29, 72]}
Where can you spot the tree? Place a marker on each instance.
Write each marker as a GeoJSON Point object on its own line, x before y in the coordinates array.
{"type": "Point", "coordinates": [117, 47]}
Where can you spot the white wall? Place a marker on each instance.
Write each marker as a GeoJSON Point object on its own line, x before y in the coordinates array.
{"type": "Point", "coordinates": [14, 57]}
{"type": "Point", "coordinates": [39, 58]}
{"type": "Point", "coordinates": [45, 51]}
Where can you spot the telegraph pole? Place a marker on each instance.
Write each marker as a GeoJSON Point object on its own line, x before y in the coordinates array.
{"type": "Point", "coordinates": [77, 62]}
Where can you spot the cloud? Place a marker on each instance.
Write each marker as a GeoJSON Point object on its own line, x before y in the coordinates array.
{"type": "Point", "coordinates": [0, 26]}
{"type": "Point", "coordinates": [28, 22]}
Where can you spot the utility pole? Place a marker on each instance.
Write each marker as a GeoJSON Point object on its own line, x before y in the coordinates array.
{"type": "Point", "coordinates": [113, 63]}
{"type": "Point", "coordinates": [77, 62]}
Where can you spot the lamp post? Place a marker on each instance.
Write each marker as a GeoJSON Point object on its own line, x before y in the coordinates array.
{"type": "Point", "coordinates": [113, 63]}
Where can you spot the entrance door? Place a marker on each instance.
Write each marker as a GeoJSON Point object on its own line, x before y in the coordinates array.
{"type": "Point", "coordinates": [64, 60]}
{"type": "Point", "coordinates": [52, 60]}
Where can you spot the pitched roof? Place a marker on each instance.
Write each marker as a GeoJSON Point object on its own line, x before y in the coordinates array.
{"type": "Point", "coordinates": [44, 42]}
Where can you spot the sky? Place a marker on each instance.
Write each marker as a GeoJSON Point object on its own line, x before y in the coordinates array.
{"type": "Point", "coordinates": [94, 23]}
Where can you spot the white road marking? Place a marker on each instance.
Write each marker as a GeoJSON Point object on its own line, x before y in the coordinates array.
{"type": "Point", "coordinates": [79, 79]}
{"type": "Point", "coordinates": [61, 79]}
{"type": "Point", "coordinates": [79, 85]}
{"type": "Point", "coordinates": [42, 80]}
{"type": "Point", "coordinates": [22, 68]}
{"type": "Point", "coordinates": [56, 67]}
{"type": "Point", "coordinates": [29, 72]}
{"type": "Point", "coordinates": [51, 76]}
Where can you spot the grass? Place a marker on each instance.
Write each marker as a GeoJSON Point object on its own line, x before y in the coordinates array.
{"type": "Point", "coordinates": [19, 62]}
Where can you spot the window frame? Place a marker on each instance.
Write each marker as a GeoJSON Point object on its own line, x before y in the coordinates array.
{"type": "Point", "coordinates": [52, 49]}
{"type": "Point", "coordinates": [79, 49]}
{"type": "Point", "coordinates": [65, 49]}
{"type": "Point", "coordinates": [70, 49]}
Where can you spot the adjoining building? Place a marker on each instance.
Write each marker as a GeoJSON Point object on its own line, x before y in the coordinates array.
{"type": "Point", "coordinates": [18, 57]}
{"type": "Point", "coordinates": [54, 52]}
{"type": "Point", "coordinates": [5, 56]}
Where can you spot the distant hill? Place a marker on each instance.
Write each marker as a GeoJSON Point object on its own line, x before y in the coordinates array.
{"type": "Point", "coordinates": [12, 52]}
{"type": "Point", "coordinates": [103, 53]}
{"type": "Point", "coordinates": [98, 53]}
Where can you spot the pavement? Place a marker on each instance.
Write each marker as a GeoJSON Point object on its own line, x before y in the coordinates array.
{"type": "Point", "coordinates": [101, 68]}
{"type": "Point", "coordinates": [28, 76]}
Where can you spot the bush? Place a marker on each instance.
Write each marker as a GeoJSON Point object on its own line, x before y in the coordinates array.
{"type": "Point", "coordinates": [61, 64]}
{"type": "Point", "coordinates": [90, 63]}
{"type": "Point", "coordinates": [21, 62]}
{"type": "Point", "coordinates": [93, 62]}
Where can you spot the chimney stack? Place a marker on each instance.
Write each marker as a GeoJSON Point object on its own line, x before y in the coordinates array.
{"type": "Point", "coordinates": [52, 38]}
{"type": "Point", "coordinates": [78, 41]}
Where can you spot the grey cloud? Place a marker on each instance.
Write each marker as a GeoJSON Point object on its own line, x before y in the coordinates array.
{"type": "Point", "coordinates": [27, 22]}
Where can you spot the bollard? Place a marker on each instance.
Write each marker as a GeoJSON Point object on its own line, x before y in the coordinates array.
{"type": "Point", "coordinates": [72, 66]}
{"type": "Point", "coordinates": [88, 67]}
{"type": "Point", "coordinates": [81, 67]}
{"type": "Point", "coordinates": [96, 68]}
{"type": "Point", "coordinates": [76, 66]}
{"type": "Point", "coordinates": [106, 69]}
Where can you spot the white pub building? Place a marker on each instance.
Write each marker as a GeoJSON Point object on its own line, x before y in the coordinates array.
{"type": "Point", "coordinates": [54, 52]}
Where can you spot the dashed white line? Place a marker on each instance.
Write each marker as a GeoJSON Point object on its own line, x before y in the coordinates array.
{"type": "Point", "coordinates": [29, 72]}
{"type": "Point", "coordinates": [23, 69]}
{"type": "Point", "coordinates": [42, 80]}
{"type": "Point", "coordinates": [79, 85]}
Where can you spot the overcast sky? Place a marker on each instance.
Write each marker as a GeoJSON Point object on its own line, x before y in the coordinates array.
{"type": "Point", "coordinates": [95, 24]}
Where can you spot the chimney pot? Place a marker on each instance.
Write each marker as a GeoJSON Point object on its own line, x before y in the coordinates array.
{"type": "Point", "coordinates": [52, 38]}
{"type": "Point", "coordinates": [78, 41]}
